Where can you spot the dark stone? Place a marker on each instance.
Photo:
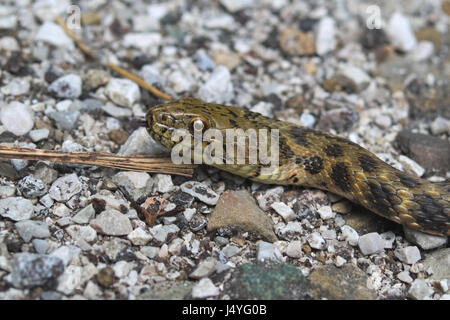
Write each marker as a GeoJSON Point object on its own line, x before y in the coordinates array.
{"type": "Point", "coordinates": [182, 199]}
{"type": "Point", "coordinates": [373, 38]}
{"type": "Point", "coordinates": [105, 277]}
{"type": "Point", "coordinates": [268, 281]}
{"type": "Point", "coordinates": [340, 119]}
{"type": "Point", "coordinates": [307, 24]}
{"type": "Point", "coordinates": [430, 152]}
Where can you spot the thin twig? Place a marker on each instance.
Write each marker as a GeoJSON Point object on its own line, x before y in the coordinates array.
{"type": "Point", "coordinates": [133, 163]}
{"type": "Point", "coordinates": [124, 73]}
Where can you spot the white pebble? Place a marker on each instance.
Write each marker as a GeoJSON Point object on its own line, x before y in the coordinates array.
{"type": "Point", "coordinates": [307, 119]}
{"type": "Point", "coordinates": [400, 32]}
{"type": "Point", "coordinates": [440, 125]}
{"type": "Point", "coordinates": [52, 33]}
{"type": "Point", "coordinates": [389, 239]}
{"type": "Point", "coordinates": [371, 243]}
{"type": "Point", "coordinates": [350, 235]}
{"type": "Point", "coordinates": [16, 87]}
{"type": "Point", "coordinates": [283, 210]}
{"type": "Point", "coordinates": [404, 277]}
{"type": "Point", "coordinates": [39, 134]}
{"type": "Point", "coordinates": [411, 165]}
{"type": "Point", "coordinates": [339, 261]}
{"type": "Point", "coordinates": [204, 288]}
{"type": "Point", "coordinates": [422, 51]}
{"type": "Point", "coordinates": [68, 86]}
{"type": "Point", "coordinates": [145, 41]}
{"type": "Point", "coordinates": [326, 213]}
{"type": "Point", "coordinates": [316, 241]}
{"type": "Point", "coordinates": [17, 118]}
{"type": "Point", "coordinates": [139, 237]}
{"type": "Point", "coordinates": [218, 88]}
{"type": "Point", "coordinates": [163, 183]}
{"type": "Point", "coordinates": [294, 249]}
{"type": "Point", "coordinates": [420, 290]}
{"type": "Point", "coordinates": [124, 92]}
{"type": "Point", "coordinates": [325, 37]}
{"type": "Point", "coordinates": [409, 255]}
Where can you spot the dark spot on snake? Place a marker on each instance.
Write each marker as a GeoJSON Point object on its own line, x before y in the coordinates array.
{"type": "Point", "coordinates": [298, 160]}
{"type": "Point", "coordinates": [378, 198]}
{"type": "Point", "coordinates": [299, 135]}
{"type": "Point", "coordinates": [295, 180]}
{"type": "Point", "coordinates": [341, 176]}
{"type": "Point", "coordinates": [334, 150]}
{"type": "Point", "coordinates": [232, 122]}
{"type": "Point", "coordinates": [313, 164]}
{"type": "Point", "coordinates": [367, 163]}
{"type": "Point", "coordinates": [407, 181]}
{"type": "Point", "coordinates": [234, 114]}
{"type": "Point", "coordinates": [432, 215]}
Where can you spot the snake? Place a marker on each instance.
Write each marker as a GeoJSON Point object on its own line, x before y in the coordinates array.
{"type": "Point", "coordinates": [314, 159]}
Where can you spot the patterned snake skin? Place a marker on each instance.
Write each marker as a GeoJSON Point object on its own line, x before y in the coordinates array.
{"type": "Point", "coordinates": [317, 159]}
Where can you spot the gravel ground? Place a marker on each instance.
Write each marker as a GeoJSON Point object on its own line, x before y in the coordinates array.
{"type": "Point", "coordinates": [375, 72]}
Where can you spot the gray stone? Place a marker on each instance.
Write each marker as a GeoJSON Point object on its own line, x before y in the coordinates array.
{"type": "Point", "coordinates": [164, 233]}
{"type": "Point", "coordinates": [65, 187]}
{"type": "Point", "coordinates": [67, 253]}
{"type": "Point", "coordinates": [420, 290]}
{"type": "Point", "coordinates": [30, 270]}
{"type": "Point", "coordinates": [52, 33]}
{"type": "Point", "coordinates": [230, 250]}
{"type": "Point", "coordinates": [325, 36]}
{"type": "Point", "coordinates": [204, 268]}
{"type": "Point", "coordinates": [204, 61]}
{"type": "Point", "coordinates": [237, 5]}
{"type": "Point", "coordinates": [163, 183]}
{"type": "Point", "coordinates": [272, 195]}
{"type": "Point", "coordinates": [371, 243]}
{"type": "Point", "coordinates": [65, 120]}
{"type": "Point", "coordinates": [326, 213]}
{"type": "Point", "coordinates": [389, 239]}
{"type": "Point", "coordinates": [358, 77]}
{"type": "Point", "coordinates": [405, 277]}
{"type": "Point", "coordinates": [117, 112]}
{"type": "Point", "coordinates": [438, 262]}
{"type": "Point", "coordinates": [138, 185]}
{"type": "Point", "coordinates": [294, 249]}
{"type": "Point", "coordinates": [84, 215]}
{"type": "Point", "coordinates": [283, 210]}
{"type": "Point", "coordinates": [68, 86]}
{"type": "Point", "coordinates": [409, 255]}
{"type": "Point", "coordinates": [17, 118]}
{"type": "Point", "coordinates": [29, 229]}
{"type": "Point", "coordinates": [349, 234]}
{"type": "Point", "coordinates": [316, 241]}
{"type": "Point", "coordinates": [400, 32]}
{"type": "Point", "coordinates": [16, 87]}
{"type": "Point", "coordinates": [150, 252]}
{"type": "Point", "coordinates": [31, 187]}
{"type": "Point", "coordinates": [204, 288]}
{"type": "Point", "coordinates": [124, 92]}
{"type": "Point", "coordinates": [218, 88]}
{"type": "Point", "coordinates": [41, 246]}
{"type": "Point", "coordinates": [39, 134]}
{"type": "Point", "coordinates": [440, 125]}
{"type": "Point", "coordinates": [70, 279]}
{"type": "Point", "coordinates": [139, 237]}
{"type": "Point", "coordinates": [16, 208]}
{"type": "Point", "coordinates": [85, 233]}
{"type": "Point", "coordinates": [266, 251]}
{"type": "Point", "coordinates": [140, 142]}
{"type": "Point", "coordinates": [112, 222]}
{"type": "Point", "coordinates": [424, 240]}
{"type": "Point", "coordinates": [200, 191]}
{"type": "Point", "coordinates": [167, 290]}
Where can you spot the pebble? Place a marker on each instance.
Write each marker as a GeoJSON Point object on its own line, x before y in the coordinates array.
{"type": "Point", "coordinates": [316, 241]}
{"type": "Point", "coordinates": [164, 233]}
{"type": "Point", "coordinates": [409, 255]}
{"type": "Point", "coordinates": [180, 81]}
{"type": "Point", "coordinates": [283, 210]}
{"type": "Point", "coordinates": [140, 142]}
{"type": "Point", "coordinates": [16, 208]}
{"type": "Point", "coordinates": [230, 250]}
{"type": "Point", "coordinates": [53, 34]}
{"type": "Point", "coordinates": [325, 36]}
{"type": "Point", "coordinates": [124, 92]}
{"type": "Point", "coordinates": [7, 191]}
{"type": "Point", "coordinates": [371, 243]}
{"type": "Point", "coordinates": [39, 134]}
{"type": "Point", "coordinates": [67, 254]}
{"type": "Point", "coordinates": [65, 187]}
{"type": "Point", "coordinates": [150, 252]}
{"type": "Point", "coordinates": [267, 251]}
{"type": "Point", "coordinates": [17, 118]}
{"type": "Point", "coordinates": [163, 183]}
{"type": "Point", "coordinates": [339, 262]}
{"type": "Point", "coordinates": [145, 41]}
{"type": "Point", "coordinates": [29, 229]}
{"type": "Point", "coordinates": [218, 88]}
{"type": "Point", "coordinates": [238, 209]}
{"type": "Point", "coordinates": [139, 237]}
{"type": "Point", "coordinates": [204, 288]}
{"type": "Point", "coordinates": [438, 262]}
{"type": "Point", "coordinates": [116, 112]}
{"type": "Point", "coordinates": [440, 125]}
{"type": "Point", "coordinates": [9, 44]}
{"type": "Point", "coordinates": [16, 87]}
{"type": "Point", "coordinates": [68, 86]}
{"type": "Point", "coordinates": [422, 51]}
{"type": "Point", "coordinates": [220, 21]}
{"type": "Point", "coordinates": [404, 277]}
{"type": "Point", "coordinates": [85, 233]}
{"type": "Point", "coordinates": [45, 173]}
{"type": "Point", "coordinates": [340, 119]}
{"type": "Point", "coordinates": [400, 32]}
{"type": "Point", "coordinates": [31, 270]}
{"type": "Point", "coordinates": [95, 78]}
{"type": "Point", "coordinates": [326, 213]}
{"type": "Point", "coordinates": [342, 207]}
{"type": "Point", "coordinates": [200, 191]}
{"type": "Point", "coordinates": [424, 240]}
{"type": "Point", "coordinates": [411, 166]}
{"type": "Point", "coordinates": [65, 120]}
{"type": "Point", "coordinates": [359, 78]}
{"type": "Point", "coordinates": [295, 42]}
{"type": "Point", "coordinates": [31, 187]}
{"type": "Point", "coordinates": [389, 239]}
{"type": "Point", "coordinates": [291, 229]}
{"type": "Point", "coordinates": [420, 290]}
{"type": "Point", "coordinates": [294, 249]}
{"type": "Point", "coordinates": [307, 120]}
{"type": "Point", "coordinates": [204, 61]}
{"type": "Point", "coordinates": [270, 196]}
{"type": "Point", "coordinates": [105, 277]}
{"type": "Point", "coordinates": [204, 269]}
{"type": "Point", "coordinates": [84, 215]}
{"type": "Point", "coordinates": [237, 5]}
{"type": "Point", "coordinates": [70, 279]}
{"type": "Point", "coordinates": [112, 222]}
{"type": "Point", "coordinates": [138, 185]}
{"type": "Point", "coordinates": [41, 246]}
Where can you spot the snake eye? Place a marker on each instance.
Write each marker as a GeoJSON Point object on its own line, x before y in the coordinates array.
{"type": "Point", "coordinates": [197, 125]}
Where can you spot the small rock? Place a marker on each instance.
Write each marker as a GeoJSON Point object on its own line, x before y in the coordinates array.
{"type": "Point", "coordinates": [189, 213]}
{"type": "Point", "coordinates": [238, 209]}
{"type": "Point", "coordinates": [218, 88]}
{"type": "Point", "coordinates": [294, 249]}
{"type": "Point", "coordinates": [68, 86]}
{"type": "Point", "coordinates": [85, 233]}
{"type": "Point", "coordinates": [228, 59]}
{"type": "Point", "coordinates": [140, 142]}
{"type": "Point", "coordinates": [163, 183]}
{"type": "Point", "coordinates": [440, 125]}
{"type": "Point", "coordinates": [283, 210]}
{"type": "Point", "coordinates": [150, 252]}
{"type": "Point", "coordinates": [112, 222]}
{"type": "Point", "coordinates": [95, 78]}
{"type": "Point", "coordinates": [180, 81]}
{"type": "Point", "coordinates": [295, 42]}
{"type": "Point", "coordinates": [404, 277]}
{"type": "Point", "coordinates": [137, 184]}
{"type": "Point", "coordinates": [316, 241]}
{"type": "Point", "coordinates": [389, 239]}
{"type": "Point", "coordinates": [67, 254]}
{"type": "Point", "coordinates": [204, 61]}
{"type": "Point", "coordinates": [39, 134]}
{"type": "Point", "coordinates": [342, 207]}
{"type": "Point", "coordinates": [124, 92]}
{"type": "Point", "coordinates": [292, 229]}
{"type": "Point", "coordinates": [116, 112]}
{"type": "Point", "coordinates": [267, 251]}
{"type": "Point", "coordinates": [31, 187]}
{"type": "Point", "coordinates": [340, 119]}
{"type": "Point", "coordinates": [164, 233]}
{"type": "Point", "coordinates": [339, 261]}
{"type": "Point", "coordinates": [422, 51]}
{"type": "Point", "coordinates": [41, 246]}
{"type": "Point", "coordinates": [438, 262]}
{"type": "Point", "coordinates": [359, 78]}
{"type": "Point", "coordinates": [31, 270]}
{"type": "Point", "coordinates": [17, 118]}
{"type": "Point", "coordinates": [9, 44]}
{"type": "Point", "coordinates": [424, 240]}
{"type": "Point", "coordinates": [29, 229]}
{"type": "Point", "coordinates": [70, 279]}
{"type": "Point", "coordinates": [307, 120]}
{"type": "Point", "coordinates": [65, 187]}
{"type": "Point", "coordinates": [84, 215]}
{"type": "Point", "coordinates": [237, 5]}
{"type": "Point", "coordinates": [145, 41]}
{"type": "Point", "coordinates": [230, 250]}
{"type": "Point", "coordinates": [420, 290]}
{"type": "Point", "coordinates": [371, 243]}
{"type": "Point", "coordinates": [325, 36]}
{"type": "Point", "coordinates": [65, 120]}
{"type": "Point", "coordinates": [139, 237]}
{"type": "Point", "coordinates": [52, 33]}
{"type": "Point", "coordinates": [270, 196]}
{"type": "Point", "coordinates": [16, 208]}
{"type": "Point", "coordinates": [16, 87]}
{"type": "Point", "coordinates": [411, 166]}
{"type": "Point", "coordinates": [204, 288]}
{"type": "Point", "coordinates": [326, 213]}
{"type": "Point", "coordinates": [221, 21]}
{"type": "Point", "coordinates": [400, 32]}
{"type": "Point", "coordinates": [105, 277]}
{"type": "Point", "coordinates": [7, 191]}
{"type": "Point", "coordinates": [409, 255]}
{"type": "Point", "coordinates": [200, 191]}
{"type": "Point", "coordinates": [204, 269]}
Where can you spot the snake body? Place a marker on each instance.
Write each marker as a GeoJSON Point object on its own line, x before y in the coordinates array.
{"type": "Point", "coordinates": [317, 159]}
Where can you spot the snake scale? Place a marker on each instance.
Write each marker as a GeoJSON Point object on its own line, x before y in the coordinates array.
{"type": "Point", "coordinates": [317, 159]}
